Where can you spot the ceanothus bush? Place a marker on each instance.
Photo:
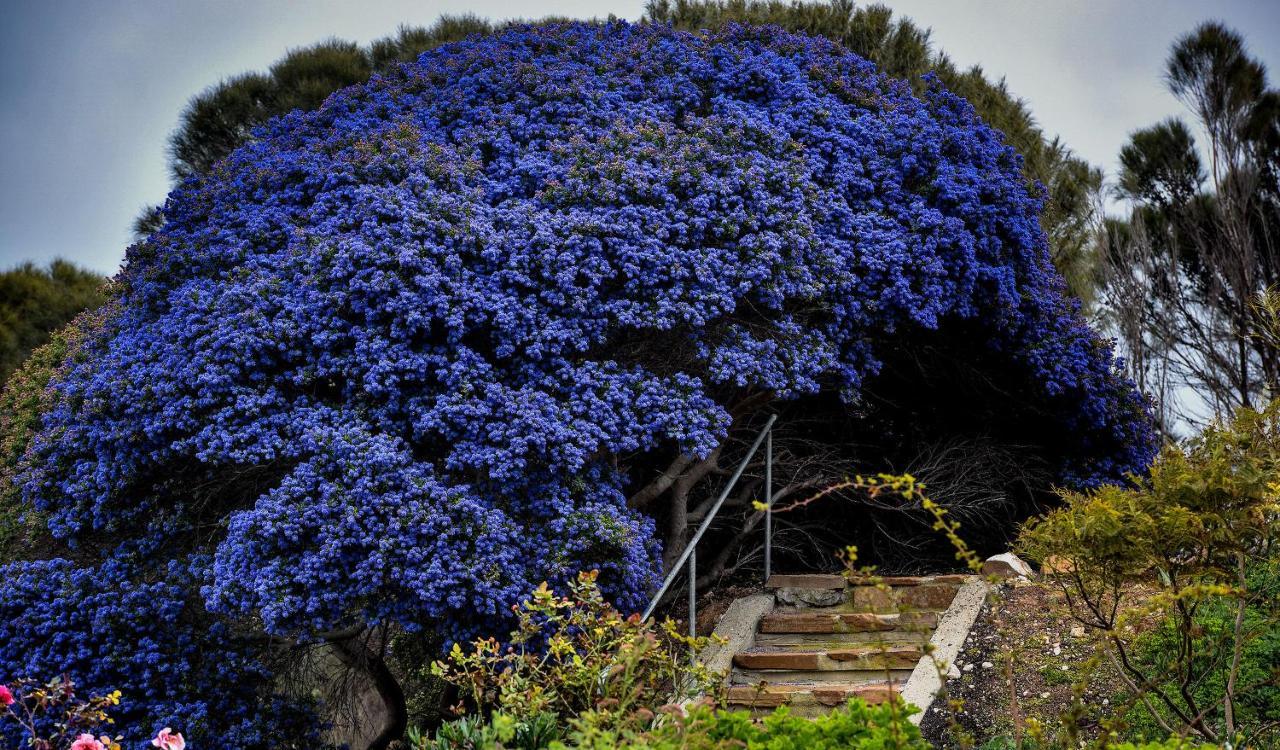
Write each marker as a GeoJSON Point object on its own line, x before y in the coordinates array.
{"type": "Point", "coordinates": [105, 626]}
{"type": "Point", "coordinates": [385, 363]}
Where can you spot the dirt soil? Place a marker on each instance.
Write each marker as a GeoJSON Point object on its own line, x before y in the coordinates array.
{"type": "Point", "coordinates": [712, 606]}
{"type": "Point", "coordinates": [1020, 662]}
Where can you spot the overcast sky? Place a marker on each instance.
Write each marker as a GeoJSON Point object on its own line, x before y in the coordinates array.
{"type": "Point", "coordinates": [90, 90]}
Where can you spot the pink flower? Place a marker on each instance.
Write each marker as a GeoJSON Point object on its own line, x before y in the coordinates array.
{"type": "Point", "coordinates": [6, 697]}
{"type": "Point", "coordinates": [167, 739]}
{"type": "Point", "coordinates": [87, 742]}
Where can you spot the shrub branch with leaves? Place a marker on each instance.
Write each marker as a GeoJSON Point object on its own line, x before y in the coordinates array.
{"type": "Point", "coordinates": [1208, 513]}
{"type": "Point", "coordinates": [576, 653]}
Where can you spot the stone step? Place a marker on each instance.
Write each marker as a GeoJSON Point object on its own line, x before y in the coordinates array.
{"type": "Point", "coordinates": [827, 641]}
{"type": "Point", "coordinates": [816, 676]}
{"type": "Point", "coordinates": [819, 621]}
{"type": "Point", "coordinates": [900, 656]}
{"type": "Point", "coordinates": [922, 597]}
{"type": "Point", "coordinates": [949, 579]}
{"type": "Point", "coordinates": [833, 592]}
{"type": "Point", "coordinates": [816, 581]}
{"type": "Point", "coordinates": [822, 696]}
{"type": "Point", "coordinates": [871, 599]}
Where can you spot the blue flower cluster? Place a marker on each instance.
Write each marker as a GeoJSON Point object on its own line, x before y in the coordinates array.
{"type": "Point", "coordinates": [108, 630]}
{"type": "Point", "coordinates": [427, 319]}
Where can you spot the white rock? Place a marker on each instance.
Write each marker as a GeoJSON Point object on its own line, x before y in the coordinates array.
{"type": "Point", "coordinates": [1006, 565]}
{"type": "Point", "coordinates": [968, 667]}
{"type": "Point", "coordinates": [987, 665]}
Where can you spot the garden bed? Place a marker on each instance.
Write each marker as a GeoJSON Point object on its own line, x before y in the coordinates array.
{"type": "Point", "coordinates": [1020, 662]}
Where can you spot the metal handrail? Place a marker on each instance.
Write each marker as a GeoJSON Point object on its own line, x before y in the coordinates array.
{"type": "Point", "coordinates": [690, 557]}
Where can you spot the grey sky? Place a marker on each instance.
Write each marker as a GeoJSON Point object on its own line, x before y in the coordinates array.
{"type": "Point", "coordinates": [89, 91]}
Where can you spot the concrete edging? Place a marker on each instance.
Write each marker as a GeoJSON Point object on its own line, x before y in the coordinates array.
{"type": "Point", "coordinates": [953, 628]}
{"type": "Point", "coordinates": [737, 628]}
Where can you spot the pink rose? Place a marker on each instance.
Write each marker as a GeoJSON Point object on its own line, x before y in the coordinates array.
{"type": "Point", "coordinates": [167, 739]}
{"type": "Point", "coordinates": [87, 742]}
{"type": "Point", "coordinates": [6, 697]}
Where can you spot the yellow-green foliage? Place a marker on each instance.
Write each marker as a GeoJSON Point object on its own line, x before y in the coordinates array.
{"type": "Point", "coordinates": [1191, 533]}
{"type": "Point", "coordinates": [856, 726]}
{"type": "Point", "coordinates": [1206, 507]}
{"type": "Point", "coordinates": [575, 654]}
{"type": "Point", "coordinates": [24, 399]}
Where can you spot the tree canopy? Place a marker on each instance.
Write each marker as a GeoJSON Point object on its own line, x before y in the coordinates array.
{"type": "Point", "coordinates": [902, 49]}
{"type": "Point", "coordinates": [396, 361]}
{"type": "Point", "coordinates": [1190, 270]}
{"type": "Point", "coordinates": [224, 116]}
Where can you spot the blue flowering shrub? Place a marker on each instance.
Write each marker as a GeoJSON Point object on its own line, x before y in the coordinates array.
{"type": "Point", "coordinates": [403, 358]}
{"type": "Point", "coordinates": [114, 625]}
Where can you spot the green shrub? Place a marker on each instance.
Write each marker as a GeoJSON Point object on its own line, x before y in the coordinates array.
{"type": "Point", "coordinates": [1215, 624]}
{"type": "Point", "coordinates": [35, 302]}
{"type": "Point", "coordinates": [1170, 744]}
{"type": "Point", "coordinates": [575, 654]}
{"type": "Point", "coordinates": [1204, 529]}
{"type": "Point", "coordinates": [498, 731]}
{"type": "Point", "coordinates": [577, 674]}
{"type": "Point", "coordinates": [857, 726]}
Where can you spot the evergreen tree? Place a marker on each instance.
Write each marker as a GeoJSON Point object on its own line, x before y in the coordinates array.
{"type": "Point", "coordinates": [223, 116]}
{"type": "Point", "coordinates": [1191, 269]}
{"type": "Point", "coordinates": [36, 301]}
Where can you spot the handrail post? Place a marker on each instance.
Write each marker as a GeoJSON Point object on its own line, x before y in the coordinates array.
{"type": "Point", "coordinates": [768, 504]}
{"type": "Point", "coordinates": [693, 600]}
{"type": "Point", "coordinates": [687, 555]}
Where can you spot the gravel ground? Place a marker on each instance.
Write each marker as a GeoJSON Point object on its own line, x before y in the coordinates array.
{"type": "Point", "coordinates": [1020, 662]}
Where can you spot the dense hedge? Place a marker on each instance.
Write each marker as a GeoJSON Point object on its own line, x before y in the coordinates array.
{"type": "Point", "coordinates": [385, 363]}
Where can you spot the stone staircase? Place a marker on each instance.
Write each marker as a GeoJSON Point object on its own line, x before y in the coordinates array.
{"type": "Point", "coordinates": [814, 641]}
